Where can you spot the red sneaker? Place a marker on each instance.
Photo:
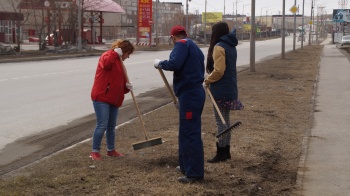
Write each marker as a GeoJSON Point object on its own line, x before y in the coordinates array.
{"type": "Point", "coordinates": [95, 156]}
{"type": "Point", "coordinates": [114, 153]}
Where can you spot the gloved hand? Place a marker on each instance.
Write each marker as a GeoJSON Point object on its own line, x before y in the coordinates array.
{"type": "Point", "coordinates": [157, 64]}
{"type": "Point", "coordinates": [119, 51]}
{"type": "Point", "coordinates": [177, 105]}
{"type": "Point", "coordinates": [129, 86]}
{"type": "Point", "coordinates": [206, 84]}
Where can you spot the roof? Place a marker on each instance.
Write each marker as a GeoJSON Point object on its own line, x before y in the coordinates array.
{"type": "Point", "coordinates": [89, 5]}
{"type": "Point", "coordinates": [11, 16]}
{"type": "Point", "coordinates": [103, 6]}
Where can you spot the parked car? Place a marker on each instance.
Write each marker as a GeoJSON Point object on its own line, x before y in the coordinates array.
{"type": "Point", "coordinates": [345, 40]}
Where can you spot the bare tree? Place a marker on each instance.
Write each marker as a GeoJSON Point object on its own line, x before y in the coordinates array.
{"type": "Point", "coordinates": [39, 20]}
{"type": "Point", "coordinates": [12, 5]}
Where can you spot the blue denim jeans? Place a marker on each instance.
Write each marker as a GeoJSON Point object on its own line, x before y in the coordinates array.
{"type": "Point", "coordinates": [106, 120]}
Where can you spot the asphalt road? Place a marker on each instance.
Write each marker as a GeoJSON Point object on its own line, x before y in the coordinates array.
{"type": "Point", "coordinates": [45, 105]}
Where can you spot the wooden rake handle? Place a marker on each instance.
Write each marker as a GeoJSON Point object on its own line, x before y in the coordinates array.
{"type": "Point", "coordinates": [133, 98]}
{"type": "Point", "coordinates": [215, 105]}
{"type": "Point", "coordinates": [168, 86]}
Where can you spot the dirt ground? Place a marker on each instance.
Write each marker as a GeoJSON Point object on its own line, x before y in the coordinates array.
{"type": "Point", "coordinates": [278, 114]}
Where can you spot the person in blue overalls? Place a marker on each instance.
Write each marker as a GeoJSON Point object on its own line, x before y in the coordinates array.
{"type": "Point", "coordinates": [187, 62]}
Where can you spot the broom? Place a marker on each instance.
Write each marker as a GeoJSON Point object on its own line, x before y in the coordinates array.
{"type": "Point", "coordinates": [147, 142]}
{"type": "Point", "coordinates": [237, 124]}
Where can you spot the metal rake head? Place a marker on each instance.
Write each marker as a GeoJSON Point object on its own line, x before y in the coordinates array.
{"type": "Point", "coordinates": [234, 126]}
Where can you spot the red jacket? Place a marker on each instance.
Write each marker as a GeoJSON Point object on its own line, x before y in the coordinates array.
{"type": "Point", "coordinates": [109, 84]}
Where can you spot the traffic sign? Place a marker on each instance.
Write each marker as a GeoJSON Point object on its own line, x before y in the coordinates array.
{"type": "Point", "coordinates": [293, 9]}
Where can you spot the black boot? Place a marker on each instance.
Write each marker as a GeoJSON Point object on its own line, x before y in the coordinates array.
{"type": "Point", "coordinates": [228, 154]}
{"type": "Point", "coordinates": [220, 154]}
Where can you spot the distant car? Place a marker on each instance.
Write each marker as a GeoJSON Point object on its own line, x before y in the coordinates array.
{"type": "Point", "coordinates": [345, 40]}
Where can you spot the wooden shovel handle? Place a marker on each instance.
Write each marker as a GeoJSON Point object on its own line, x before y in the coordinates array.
{"type": "Point", "coordinates": [133, 98]}
{"type": "Point", "coordinates": [139, 114]}
{"type": "Point", "coordinates": [168, 86]}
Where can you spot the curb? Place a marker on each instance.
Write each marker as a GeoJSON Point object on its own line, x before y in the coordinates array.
{"type": "Point", "coordinates": [306, 138]}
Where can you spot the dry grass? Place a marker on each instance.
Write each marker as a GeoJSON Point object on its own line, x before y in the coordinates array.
{"type": "Point", "coordinates": [278, 101]}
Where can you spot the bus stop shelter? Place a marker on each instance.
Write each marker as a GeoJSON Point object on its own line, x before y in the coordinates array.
{"type": "Point", "coordinates": [92, 9]}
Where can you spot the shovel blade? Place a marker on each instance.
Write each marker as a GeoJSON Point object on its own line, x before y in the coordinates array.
{"type": "Point", "coordinates": [147, 143]}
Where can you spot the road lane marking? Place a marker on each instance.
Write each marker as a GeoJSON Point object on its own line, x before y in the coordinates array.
{"type": "Point", "coordinates": [44, 74]}
{"type": "Point", "coordinates": [62, 72]}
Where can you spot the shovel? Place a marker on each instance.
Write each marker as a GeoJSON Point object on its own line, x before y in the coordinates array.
{"type": "Point", "coordinates": [147, 142]}
{"type": "Point", "coordinates": [237, 124]}
{"type": "Point", "coordinates": [168, 86]}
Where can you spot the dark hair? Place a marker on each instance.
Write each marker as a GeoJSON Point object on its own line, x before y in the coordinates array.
{"type": "Point", "coordinates": [181, 35]}
{"type": "Point", "coordinates": [219, 29]}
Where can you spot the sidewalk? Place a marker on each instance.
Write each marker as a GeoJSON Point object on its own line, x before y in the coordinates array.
{"type": "Point", "coordinates": [326, 167]}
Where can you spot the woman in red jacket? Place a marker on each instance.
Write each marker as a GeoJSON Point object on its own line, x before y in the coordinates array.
{"type": "Point", "coordinates": [107, 95]}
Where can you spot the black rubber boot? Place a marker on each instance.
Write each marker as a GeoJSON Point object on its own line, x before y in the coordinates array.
{"type": "Point", "coordinates": [228, 154]}
{"type": "Point", "coordinates": [220, 154]}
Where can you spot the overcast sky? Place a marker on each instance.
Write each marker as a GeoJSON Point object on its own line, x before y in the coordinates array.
{"type": "Point", "coordinates": [261, 6]}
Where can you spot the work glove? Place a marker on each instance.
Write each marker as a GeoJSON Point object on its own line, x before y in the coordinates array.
{"type": "Point", "coordinates": [119, 51]}
{"type": "Point", "coordinates": [157, 64]}
{"type": "Point", "coordinates": [177, 105]}
{"type": "Point", "coordinates": [206, 84]}
{"type": "Point", "coordinates": [129, 86]}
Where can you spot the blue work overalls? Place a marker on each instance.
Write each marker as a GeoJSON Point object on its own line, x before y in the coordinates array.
{"type": "Point", "coordinates": [187, 62]}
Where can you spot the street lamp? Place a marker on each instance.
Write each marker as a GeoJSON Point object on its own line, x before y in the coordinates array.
{"type": "Point", "coordinates": [275, 23]}
{"type": "Point", "coordinates": [187, 15]}
{"type": "Point", "coordinates": [236, 15]}
{"type": "Point", "coordinates": [243, 8]}
{"type": "Point", "coordinates": [266, 19]}
{"type": "Point", "coordinates": [261, 15]}
{"type": "Point", "coordinates": [224, 6]}
{"type": "Point", "coordinates": [242, 20]}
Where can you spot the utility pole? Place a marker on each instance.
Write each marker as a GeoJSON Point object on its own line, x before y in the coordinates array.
{"type": "Point", "coordinates": [205, 24]}
{"type": "Point", "coordinates": [295, 26]}
{"type": "Point", "coordinates": [283, 28]}
{"type": "Point", "coordinates": [79, 25]}
{"type": "Point", "coordinates": [312, 7]}
{"type": "Point", "coordinates": [266, 23]}
{"type": "Point", "coordinates": [156, 21]}
{"type": "Point", "coordinates": [317, 25]}
{"type": "Point", "coordinates": [236, 16]}
{"type": "Point", "coordinates": [252, 37]}
{"type": "Point", "coordinates": [313, 20]}
{"type": "Point", "coordinates": [303, 30]}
